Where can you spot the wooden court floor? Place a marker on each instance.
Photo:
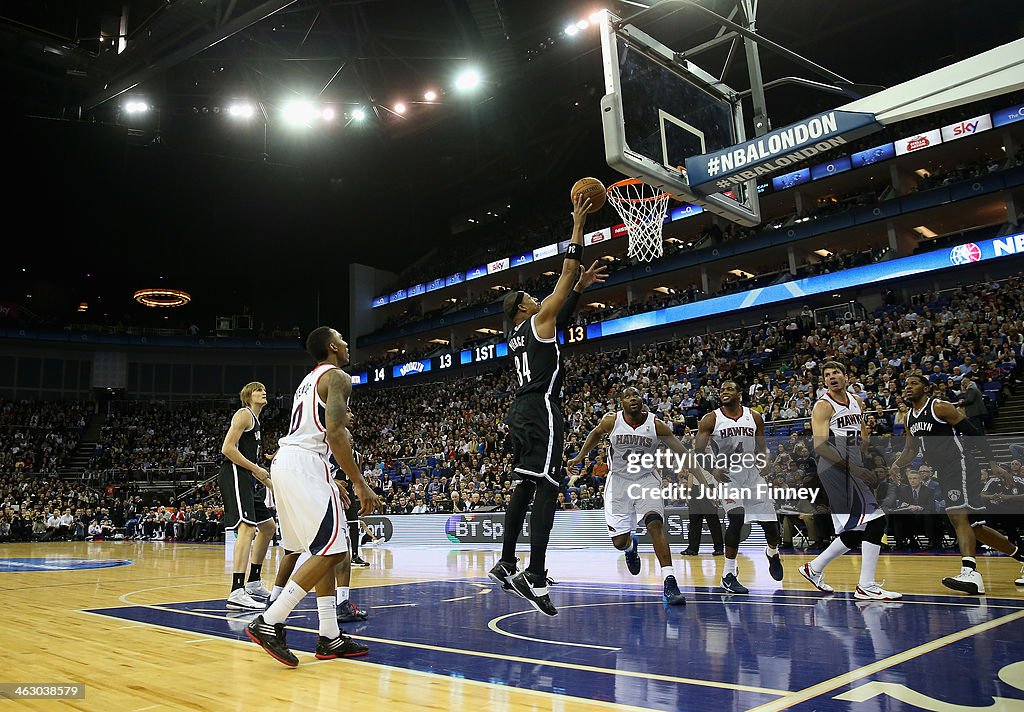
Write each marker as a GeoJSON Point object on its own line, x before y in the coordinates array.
{"type": "Point", "coordinates": [153, 634]}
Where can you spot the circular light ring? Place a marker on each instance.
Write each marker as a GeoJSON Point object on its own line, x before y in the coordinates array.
{"type": "Point", "coordinates": [162, 297]}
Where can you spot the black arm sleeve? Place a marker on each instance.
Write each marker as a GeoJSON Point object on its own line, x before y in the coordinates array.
{"type": "Point", "coordinates": [567, 310]}
{"type": "Point", "coordinates": [975, 439]}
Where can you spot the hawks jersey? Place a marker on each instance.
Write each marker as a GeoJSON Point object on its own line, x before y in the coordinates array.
{"type": "Point", "coordinates": [308, 428]}
{"type": "Point", "coordinates": [735, 436]}
{"type": "Point", "coordinates": [628, 445]}
{"type": "Point", "coordinates": [940, 444]}
{"type": "Point", "coordinates": [538, 362]}
{"type": "Point", "coordinates": [845, 427]}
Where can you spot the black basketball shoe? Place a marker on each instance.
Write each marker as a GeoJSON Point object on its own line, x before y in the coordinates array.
{"type": "Point", "coordinates": [672, 595]}
{"type": "Point", "coordinates": [774, 565]}
{"type": "Point", "coordinates": [534, 588]}
{"type": "Point", "coordinates": [348, 613]}
{"type": "Point", "coordinates": [272, 639]}
{"type": "Point", "coordinates": [340, 647]}
{"type": "Point", "coordinates": [502, 574]}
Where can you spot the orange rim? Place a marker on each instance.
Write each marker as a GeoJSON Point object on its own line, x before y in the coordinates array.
{"type": "Point", "coordinates": [632, 181]}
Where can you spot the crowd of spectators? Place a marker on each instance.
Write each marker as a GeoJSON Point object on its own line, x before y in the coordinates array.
{"type": "Point", "coordinates": [40, 436]}
{"type": "Point", "coordinates": [158, 437]}
{"type": "Point", "coordinates": [458, 457]}
{"type": "Point", "coordinates": [442, 446]}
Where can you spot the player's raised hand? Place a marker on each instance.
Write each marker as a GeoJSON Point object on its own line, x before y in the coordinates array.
{"type": "Point", "coordinates": [598, 272]}
{"type": "Point", "coordinates": [580, 207]}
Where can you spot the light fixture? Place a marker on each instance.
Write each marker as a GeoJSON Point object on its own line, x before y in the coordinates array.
{"type": "Point", "coordinates": [400, 108]}
{"type": "Point", "coordinates": [467, 79]}
{"type": "Point", "coordinates": [582, 25]}
{"type": "Point", "coordinates": [358, 114]}
{"type": "Point", "coordinates": [241, 110]}
{"type": "Point", "coordinates": [162, 297]}
{"type": "Point", "coordinates": [136, 106]}
{"type": "Point", "coordinates": [299, 112]}
{"type": "Point", "coordinates": [596, 17]}
{"type": "Point", "coordinates": [430, 95]}
{"type": "Point", "coordinates": [571, 30]}
{"type": "Point", "coordinates": [328, 114]}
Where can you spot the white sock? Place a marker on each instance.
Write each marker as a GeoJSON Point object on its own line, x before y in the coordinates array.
{"type": "Point", "coordinates": [667, 571]}
{"type": "Point", "coordinates": [770, 551]}
{"type": "Point", "coordinates": [868, 562]}
{"type": "Point", "coordinates": [285, 603]}
{"type": "Point", "coordinates": [275, 593]}
{"type": "Point", "coordinates": [342, 594]}
{"type": "Point", "coordinates": [730, 567]}
{"type": "Point", "coordinates": [328, 615]}
{"type": "Point", "coordinates": [832, 552]}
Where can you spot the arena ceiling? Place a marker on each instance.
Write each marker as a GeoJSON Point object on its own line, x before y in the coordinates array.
{"type": "Point", "coordinates": [116, 193]}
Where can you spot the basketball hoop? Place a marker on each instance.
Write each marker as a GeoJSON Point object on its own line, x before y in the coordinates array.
{"type": "Point", "coordinates": [642, 209]}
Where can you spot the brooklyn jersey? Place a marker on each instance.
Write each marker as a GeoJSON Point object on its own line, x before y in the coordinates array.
{"type": "Point", "coordinates": [249, 442]}
{"type": "Point", "coordinates": [940, 444]}
{"type": "Point", "coordinates": [845, 428]}
{"type": "Point", "coordinates": [308, 428]}
{"type": "Point", "coordinates": [537, 361]}
{"type": "Point", "coordinates": [629, 445]}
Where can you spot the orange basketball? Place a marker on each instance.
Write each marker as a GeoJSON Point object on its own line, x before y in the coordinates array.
{"type": "Point", "coordinates": [590, 188]}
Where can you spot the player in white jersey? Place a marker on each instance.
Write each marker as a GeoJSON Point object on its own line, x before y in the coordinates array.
{"type": "Point", "coordinates": [736, 434]}
{"type": "Point", "coordinates": [310, 506]}
{"type": "Point", "coordinates": [840, 438]}
{"type": "Point", "coordinates": [633, 490]}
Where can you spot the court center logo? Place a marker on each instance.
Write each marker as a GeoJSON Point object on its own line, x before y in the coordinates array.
{"type": "Point", "coordinates": [57, 564]}
{"type": "Point", "coordinates": [965, 254]}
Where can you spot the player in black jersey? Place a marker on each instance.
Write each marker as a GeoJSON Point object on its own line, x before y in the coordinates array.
{"type": "Point", "coordinates": [535, 421]}
{"type": "Point", "coordinates": [243, 485]}
{"type": "Point", "coordinates": [935, 427]}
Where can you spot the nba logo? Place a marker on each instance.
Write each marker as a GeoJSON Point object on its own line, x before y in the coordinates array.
{"type": "Point", "coordinates": [965, 254]}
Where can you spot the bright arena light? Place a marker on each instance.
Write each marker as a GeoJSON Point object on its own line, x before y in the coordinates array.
{"type": "Point", "coordinates": [430, 95]}
{"type": "Point", "coordinates": [468, 79]}
{"type": "Point", "coordinates": [596, 17]}
{"type": "Point", "coordinates": [400, 108]}
{"type": "Point", "coordinates": [328, 114]}
{"type": "Point", "coordinates": [358, 114]}
{"type": "Point", "coordinates": [582, 24]}
{"type": "Point", "coordinates": [571, 30]}
{"type": "Point", "coordinates": [241, 111]}
{"type": "Point", "coordinates": [299, 112]}
{"type": "Point", "coordinates": [136, 107]}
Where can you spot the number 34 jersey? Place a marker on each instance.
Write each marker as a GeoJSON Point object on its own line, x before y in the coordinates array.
{"type": "Point", "coordinates": [537, 361]}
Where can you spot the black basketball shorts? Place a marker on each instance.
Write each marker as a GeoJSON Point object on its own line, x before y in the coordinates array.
{"type": "Point", "coordinates": [960, 487]}
{"type": "Point", "coordinates": [537, 429]}
{"type": "Point", "coordinates": [241, 503]}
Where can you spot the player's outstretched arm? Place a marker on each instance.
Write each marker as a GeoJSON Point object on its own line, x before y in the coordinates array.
{"type": "Point", "coordinates": [240, 422]}
{"type": "Point", "coordinates": [603, 429]}
{"type": "Point", "coordinates": [552, 304]}
{"type": "Point", "coordinates": [339, 388]}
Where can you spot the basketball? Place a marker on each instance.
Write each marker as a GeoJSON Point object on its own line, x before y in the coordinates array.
{"type": "Point", "coordinates": [591, 188]}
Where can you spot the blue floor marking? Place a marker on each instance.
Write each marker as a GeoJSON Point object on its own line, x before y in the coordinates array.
{"type": "Point", "coordinates": [731, 640]}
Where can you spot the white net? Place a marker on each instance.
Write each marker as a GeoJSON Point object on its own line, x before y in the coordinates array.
{"type": "Point", "coordinates": [642, 209]}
